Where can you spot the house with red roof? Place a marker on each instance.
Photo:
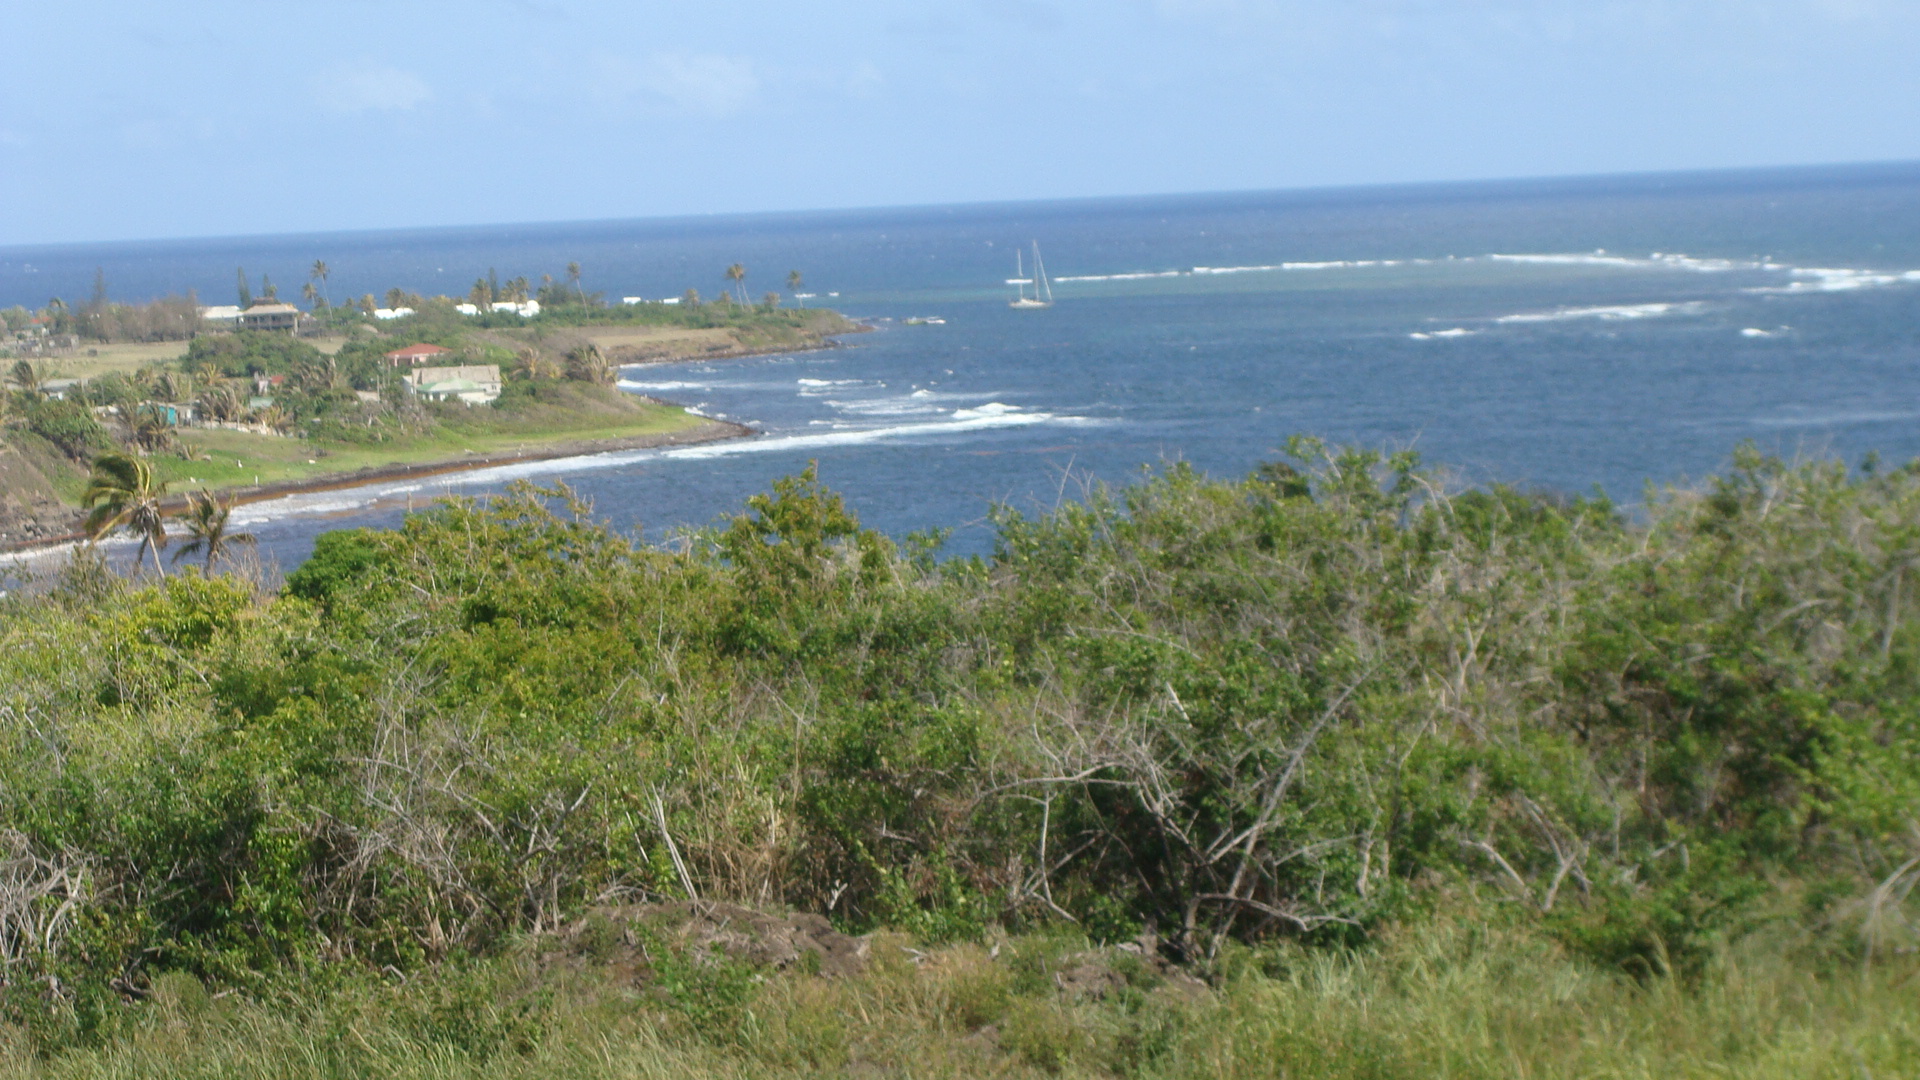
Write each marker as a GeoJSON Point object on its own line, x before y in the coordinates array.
{"type": "Point", "coordinates": [415, 355]}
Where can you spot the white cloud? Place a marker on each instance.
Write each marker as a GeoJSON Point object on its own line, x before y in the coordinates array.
{"type": "Point", "coordinates": [701, 82]}
{"type": "Point", "coordinates": [371, 88]}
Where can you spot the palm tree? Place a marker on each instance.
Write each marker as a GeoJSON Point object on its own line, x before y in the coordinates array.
{"type": "Point", "coordinates": [274, 417]}
{"type": "Point", "coordinates": [317, 374]}
{"type": "Point", "coordinates": [532, 364]}
{"type": "Point", "coordinates": [173, 385]}
{"type": "Point", "coordinates": [738, 275]}
{"type": "Point", "coordinates": [319, 273]}
{"type": "Point", "coordinates": [122, 493]}
{"type": "Point", "coordinates": [588, 364]}
{"type": "Point", "coordinates": [206, 521]}
{"type": "Point", "coordinates": [220, 401]}
{"type": "Point", "coordinates": [150, 429]}
{"type": "Point", "coordinates": [310, 294]}
{"type": "Point", "coordinates": [794, 283]}
{"type": "Point", "coordinates": [28, 378]}
{"type": "Point", "coordinates": [573, 277]}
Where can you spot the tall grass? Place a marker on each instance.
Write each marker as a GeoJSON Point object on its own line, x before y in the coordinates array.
{"type": "Point", "coordinates": [1446, 999]}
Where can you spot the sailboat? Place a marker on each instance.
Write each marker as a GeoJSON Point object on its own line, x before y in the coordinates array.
{"type": "Point", "coordinates": [1042, 290]}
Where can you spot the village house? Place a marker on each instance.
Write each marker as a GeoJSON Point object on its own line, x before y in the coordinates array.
{"type": "Point", "coordinates": [474, 384]}
{"type": "Point", "coordinates": [270, 315]}
{"type": "Point", "coordinates": [415, 355]}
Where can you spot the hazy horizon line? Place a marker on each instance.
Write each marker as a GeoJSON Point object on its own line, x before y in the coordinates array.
{"type": "Point", "coordinates": [1699, 174]}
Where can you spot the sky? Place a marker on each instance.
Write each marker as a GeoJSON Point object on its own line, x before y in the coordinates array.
{"type": "Point", "coordinates": [129, 120]}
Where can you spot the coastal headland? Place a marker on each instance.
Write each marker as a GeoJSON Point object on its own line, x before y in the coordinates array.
{"type": "Point", "coordinates": [256, 415]}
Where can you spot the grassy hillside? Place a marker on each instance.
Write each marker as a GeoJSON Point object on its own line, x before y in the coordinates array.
{"type": "Point", "coordinates": [533, 419]}
{"type": "Point", "coordinates": [1319, 772]}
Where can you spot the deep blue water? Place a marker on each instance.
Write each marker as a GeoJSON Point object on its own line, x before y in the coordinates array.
{"type": "Point", "coordinates": [1562, 334]}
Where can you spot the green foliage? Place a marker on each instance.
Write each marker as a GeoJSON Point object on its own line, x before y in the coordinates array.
{"type": "Point", "coordinates": [338, 559]}
{"type": "Point", "coordinates": [1310, 705]}
{"type": "Point", "coordinates": [69, 425]}
{"type": "Point", "coordinates": [249, 352]}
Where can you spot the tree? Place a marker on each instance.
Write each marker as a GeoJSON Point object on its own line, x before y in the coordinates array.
{"type": "Point", "coordinates": [480, 296]}
{"type": "Point", "coordinates": [317, 373]}
{"type": "Point", "coordinates": [246, 290]}
{"type": "Point", "coordinates": [319, 273]}
{"type": "Point", "coordinates": [737, 274]}
{"type": "Point", "coordinates": [310, 294]}
{"type": "Point", "coordinates": [267, 291]}
{"type": "Point", "coordinates": [368, 305]}
{"type": "Point", "coordinates": [573, 278]}
{"type": "Point", "coordinates": [220, 401]}
{"type": "Point", "coordinates": [396, 297]}
{"type": "Point", "coordinates": [122, 493]}
{"type": "Point", "coordinates": [769, 301]}
{"type": "Point", "coordinates": [28, 378]}
{"type": "Point", "coordinates": [690, 298]}
{"type": "Point", "coordinates": [173, 385]}
{"type": "Point", "coordinates": [275, 418]}
{"type": "Point", "coordinates": [150, 429]}
{"type": "Point", "coordinates": [206, 523]}
{"type": "Point", "coordinates": [532, 364]}
{"type": "Point", "coordinates": [794, 284]}
{"type": "Point", "coordinates": [588, 364]}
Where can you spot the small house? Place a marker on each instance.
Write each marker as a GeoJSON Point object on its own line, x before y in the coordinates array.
{"type": "Point", "coordinates": [474, 384]}
{"type": "Point", "coordinates": [415, 355]}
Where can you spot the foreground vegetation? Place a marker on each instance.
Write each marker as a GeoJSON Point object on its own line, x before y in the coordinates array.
{"type": "Point", "coordinates": [1414, 783]}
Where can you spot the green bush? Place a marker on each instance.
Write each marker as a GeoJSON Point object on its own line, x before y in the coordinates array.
{"type": "Point", "coordinates": [1310, 705]}
{"type": "Point", "coordinates": [69, 425]}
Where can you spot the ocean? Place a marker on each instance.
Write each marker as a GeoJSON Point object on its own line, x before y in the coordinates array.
{"type": "Point", "coordinates": [1573, 335]}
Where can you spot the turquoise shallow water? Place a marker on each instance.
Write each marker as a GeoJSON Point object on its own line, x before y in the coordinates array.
{"type": "Point", "coordinates": [1563, 334]}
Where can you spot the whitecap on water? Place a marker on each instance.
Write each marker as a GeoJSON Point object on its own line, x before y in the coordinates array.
{"type": "Point", "coordinates": [1609, 312]}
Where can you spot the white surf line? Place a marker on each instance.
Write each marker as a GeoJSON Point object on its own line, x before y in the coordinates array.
{"type": "Point", "coordinates": [1812, 279]}
{"type": "Point", "coordinates": [985, 417]}
{"type": "Point", "coordinates": [1657, 261]}
{"type": "Point", "coordinates": [1211, 271]}
{"type": "Point", "coordinates": [1609, 313]}
{"type": "Point", "coordinates": [991, 415]}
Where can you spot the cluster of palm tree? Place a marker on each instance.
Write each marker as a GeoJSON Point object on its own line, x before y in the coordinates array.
{"type": "Point", "coordinates": [149, 428]}
{"type": "Point", "coordinates": [587, 363]}
{"type": "Point", "coordinates": [530, 363]}
{"type": "Point", "coordinates": [124, 495]}
{"type": "Point", "coordinates": [584, 363]}
{"type": "Point", "coordinates": [489, 290]}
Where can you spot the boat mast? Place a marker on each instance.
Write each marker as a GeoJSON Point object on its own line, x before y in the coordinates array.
{"type": "Point", "coordinates": [1019, 276]}
{"type": "Point", "coordinates": [1040, 277]}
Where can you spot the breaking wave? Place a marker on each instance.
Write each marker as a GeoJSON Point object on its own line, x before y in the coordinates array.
{"type": "Point", "coordinates": [1608, 313]}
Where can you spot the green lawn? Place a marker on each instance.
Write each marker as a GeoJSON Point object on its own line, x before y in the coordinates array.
{"type": "Point", "coordinates": [221, 458]}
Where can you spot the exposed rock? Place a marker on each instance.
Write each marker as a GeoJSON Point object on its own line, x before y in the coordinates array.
{"type": "Point", "coordinates": [29, 509]}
